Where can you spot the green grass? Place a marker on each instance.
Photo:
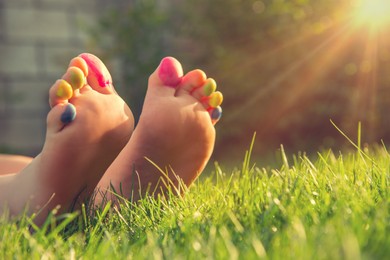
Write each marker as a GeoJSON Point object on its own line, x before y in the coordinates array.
{"type": "Point", "coordinates": [335, 206]}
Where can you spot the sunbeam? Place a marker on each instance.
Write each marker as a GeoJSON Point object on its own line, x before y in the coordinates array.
{"type": "Point", "coordinates": [372, 12]}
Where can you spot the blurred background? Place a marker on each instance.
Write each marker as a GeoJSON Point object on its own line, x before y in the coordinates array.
{"type": "Point", "coordinates": [286, 68]}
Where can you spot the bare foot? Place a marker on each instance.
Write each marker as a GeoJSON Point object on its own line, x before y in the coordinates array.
{"type": "Point", "coordinates": [87, 127]}
{"type": "Point", "coordinates": [175, 132]}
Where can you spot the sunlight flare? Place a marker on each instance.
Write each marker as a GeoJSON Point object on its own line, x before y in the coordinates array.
{"type": "Point", "coordinates": [373, 12]}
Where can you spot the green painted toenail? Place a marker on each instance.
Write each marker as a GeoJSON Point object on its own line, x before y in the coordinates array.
{"type": "Point", "coordinates": [209, 87]}
{"type": "Point", "coordinates": [75, 77]}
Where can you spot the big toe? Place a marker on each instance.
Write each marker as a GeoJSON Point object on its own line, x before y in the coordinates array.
{"type": "Point", "coordinates": [166, 78]}
{"type": "Point", "coordinates": [99, 78]}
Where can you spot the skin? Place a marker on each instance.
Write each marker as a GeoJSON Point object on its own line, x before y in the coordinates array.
{"type": "Point", "coordinates": [75, 154]}
{"type": "Point", "coordinates": [175, 132]}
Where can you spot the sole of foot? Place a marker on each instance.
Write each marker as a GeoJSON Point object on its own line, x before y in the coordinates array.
{"type": "Point", "coordinates": [87, 126]}
{"type": "Point", "coordinates": [173, 140]}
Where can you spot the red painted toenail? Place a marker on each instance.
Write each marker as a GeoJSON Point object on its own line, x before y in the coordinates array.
{"type": "Point", "coordinates": [168, 73]}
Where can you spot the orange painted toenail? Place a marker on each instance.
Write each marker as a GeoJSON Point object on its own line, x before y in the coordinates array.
{"type": "Point", "coordinates": [64, 90]}
{"type": "Point", "coordinates": [75, 77]}
{"type": "Point", "coordinates": [81, 64]}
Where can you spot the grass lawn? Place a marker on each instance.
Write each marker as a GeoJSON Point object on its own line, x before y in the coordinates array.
{"type": "Point", "coordinates": [335, 206]}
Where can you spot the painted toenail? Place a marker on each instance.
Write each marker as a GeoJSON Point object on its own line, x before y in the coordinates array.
{"type": "Point", "coordinates": [69, 114]}
{"type": "Point", "coordinates": [79, 63]}
{"type": "Point", "coordinates": [64, 89]}
{"type": "Point", "coordinates": [216, 113]}
{"type": "Point", "coordinates": [75, 77]}
{"type": "Point", "coordinates": [215, 99]}
{"type": "Point", "coordinates": [209, 87]}
{"type": "Point", "coordinates": [102, 75]}
{"type": "Point", "coordinates": [168, 73]}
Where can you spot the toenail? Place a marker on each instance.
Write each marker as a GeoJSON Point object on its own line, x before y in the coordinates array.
{"type": "Point", "coordinates": [69, 114]}
{"type": "Point", "coordinates": [75, 77]}
{"type": "Point", "coordinates": [102, 75]}
{"type": "Point", "coordinates": [216, 114]}
{"type": "Point", "coordinates": [168, 73]}
{"type": "Point", "coordinates": [215, 99]}
{"type": "Point", "coordinates": [81, 64]}
{"type": "Point", "coordinates": [64, 89]}
{"type": "Point", "coordinates": [209, 87]}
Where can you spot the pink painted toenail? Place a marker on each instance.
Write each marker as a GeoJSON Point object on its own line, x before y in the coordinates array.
{"type": "Point", "coordinates": [102, 75]}
{"type": "Point", "coordinates": [168, 73]}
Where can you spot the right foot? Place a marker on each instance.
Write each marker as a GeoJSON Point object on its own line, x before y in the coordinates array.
{"type": "Point", "coordinates": [87, 127]}
{"type": "Point", "coordinates": [175, 132]}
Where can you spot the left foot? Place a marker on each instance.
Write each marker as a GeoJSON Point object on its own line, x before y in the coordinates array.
{"type": "Point", "coordinates": [87, 127]}
{"type": "Point", "coordinates": [175, 132]}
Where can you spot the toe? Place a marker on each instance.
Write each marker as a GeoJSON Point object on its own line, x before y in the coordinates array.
{"type": "Point", "coordinates": [191, 81]}
{"type": "Point", "coordinates": [60, 92]}
{"type": "Point", "coordinates": [214, 100]}
{"type": "Point", "coordinates": [215, 114]}
{"type": "Point", "coordinates": [99, 78]}
{"type": "Point", "coordinates": [75, 77]}
{"type": "Point", "coordinates": [206, 89]}
{"type": "Point", "coordinates": [166, 78]}
{"type": "Point", "coordinates": [59, 116]}
{"type": "Point", "coordinates": [79, 63]}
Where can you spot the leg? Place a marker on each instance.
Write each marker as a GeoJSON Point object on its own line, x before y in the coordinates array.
{"type": "Point", "coordinates": [175, 133]}
{"type": "Point", "coordinates": [87, 127]}
{"type": "Point", "coordinates": [13, 163]}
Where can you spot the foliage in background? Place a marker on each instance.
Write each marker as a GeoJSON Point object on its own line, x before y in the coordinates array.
{"type": "Point", "coordinates": [285, 67]}
{"type": "Point", "coordinates": [134, 34]}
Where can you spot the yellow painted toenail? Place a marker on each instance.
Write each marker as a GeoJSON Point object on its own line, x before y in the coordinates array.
{"type": "Point", "coordinates": [75, 77]}
{"type": "Point", "coordinates": [209, 87]}
{"type": "Point", "coordinates": [216, 99]}
{"type": "Point", "coordinates": [64, 90]}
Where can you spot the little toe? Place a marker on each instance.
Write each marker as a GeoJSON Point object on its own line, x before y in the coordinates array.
{"type": "Point", "coordinates": [191, 81]}
{"type": "Point", "coordinates": [99, 78]}
{"type": "Point", "coordinates": [165, 79]}
{"type": "Point", "coordinates": [59, 116]}
{"type": "Point", "coordinates": [215, 114]}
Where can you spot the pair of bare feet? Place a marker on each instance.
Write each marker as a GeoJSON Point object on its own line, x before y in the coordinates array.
{"type": "Point", "coordinates": [91, 148]}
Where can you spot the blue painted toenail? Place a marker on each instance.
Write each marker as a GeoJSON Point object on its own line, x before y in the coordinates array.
{"type": "Point", "coordinates": [217, 113]}
{"type": "Point", "coordinates": [69, 114]}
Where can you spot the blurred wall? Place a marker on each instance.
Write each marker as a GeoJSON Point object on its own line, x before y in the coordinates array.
{"type": "Point", "coordinates": [37, 40]}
